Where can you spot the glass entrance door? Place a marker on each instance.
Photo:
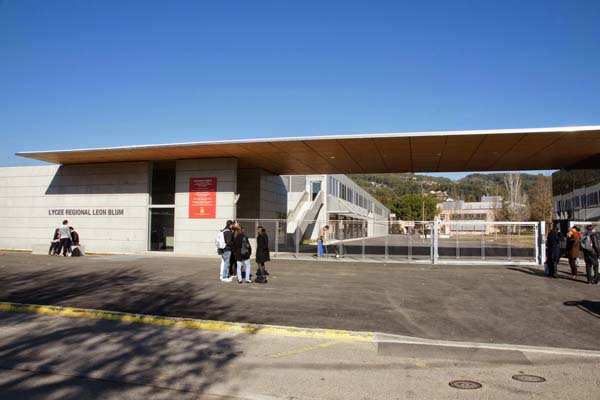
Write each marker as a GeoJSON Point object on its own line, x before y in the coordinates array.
{"type": "Point", "coordinates": [162, 224]}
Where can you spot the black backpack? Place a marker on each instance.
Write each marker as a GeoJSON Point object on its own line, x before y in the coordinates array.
{"type": "Point", "coordinates": [76, 252]}
{"type": "Point", "coordinates": [246, 250]}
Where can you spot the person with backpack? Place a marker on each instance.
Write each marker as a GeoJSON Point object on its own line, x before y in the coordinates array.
{"type": "Point", "coordinates": [591, 250]}
{"type": "Point", "coordinates": [242, 251]}
{"type": "Point", "coordinates": [75, 250]}
{"type": "Point", "coordinates": [573, 240]}
{"type": "Point", "coordinates": [224, 243]}
{"type": "Point", "coordinates": [262, 252]}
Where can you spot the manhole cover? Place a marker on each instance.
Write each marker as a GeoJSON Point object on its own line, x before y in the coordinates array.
{"type": "Point", "coordinates": [465, 385]}
{"type": "Point", "coordinates": [528, 378]}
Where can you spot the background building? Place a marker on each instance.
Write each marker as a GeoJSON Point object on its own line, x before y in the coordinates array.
{"type": "Point", "coordinates": [474, 214]}
{"type": "Point", "coordinates": [334, 200]}
{"type": "Point", "coordinates": [576, 196]}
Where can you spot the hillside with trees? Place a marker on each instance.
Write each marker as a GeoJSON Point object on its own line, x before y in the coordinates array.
{"type": "Point", "coordinates": [401, 193]}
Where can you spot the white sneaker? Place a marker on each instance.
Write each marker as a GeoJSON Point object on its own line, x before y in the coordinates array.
{"type": "Point", "coordinates": [226, 279]}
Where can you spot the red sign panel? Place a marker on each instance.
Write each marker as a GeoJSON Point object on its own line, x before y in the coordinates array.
{"type": "Point", "coordinates": [203, 198]}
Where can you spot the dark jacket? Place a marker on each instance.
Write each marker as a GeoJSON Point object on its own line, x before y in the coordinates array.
{"type": "Point", "coordinates": [237, 247]}
{"type": "Point", "coordinates": [262, 249]}
{"type": "Point", "coordinates": [553, 244]}
{"type": "Point", "coordinates": [74, 238]}
{"type": "Point", "coordinates": [573, 246]}
{"type": "Point", "coordinates": [595, 245]}
{"type": "Point", "coordinates": [228, 236]}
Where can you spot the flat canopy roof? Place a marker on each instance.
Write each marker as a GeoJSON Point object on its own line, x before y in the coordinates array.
{"type": "Point", "coordinates": [450, 151]}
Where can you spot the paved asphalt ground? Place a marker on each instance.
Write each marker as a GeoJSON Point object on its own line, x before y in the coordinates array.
{"type": "Point", "coordinates": [59, 358]}
{"type": "Point", "coordinates": [493, 304]}
{"type": "Point", "coordinates": [54, 357]}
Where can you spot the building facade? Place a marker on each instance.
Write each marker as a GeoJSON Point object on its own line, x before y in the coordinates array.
{"type": "Point", "coordinates": [336, 201]}
{"type": "Point", "coordinates": [176, 206]}
{"type": "Point", "coordinates": [473, 214]}
{"type": "Point", "coordinates": [576, 196]}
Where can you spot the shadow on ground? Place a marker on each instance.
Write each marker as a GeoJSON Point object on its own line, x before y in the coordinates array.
{"type": "Point", "coordinates": [132, 290]}
{"type": "Point", "coordinates": [590, 307]}
{"type": "Point", "coordinates": [113, 352]}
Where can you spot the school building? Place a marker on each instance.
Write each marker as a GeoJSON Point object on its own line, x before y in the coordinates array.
{"type": "Point", "coordinates": [176, 197]}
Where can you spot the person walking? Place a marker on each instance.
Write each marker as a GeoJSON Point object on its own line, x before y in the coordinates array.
{"type": "Point", "coordinates": [553, 252]}
{"type": "Point", "coordinates": [65, 238]}
{"type": "Point", "coordinates": [321, 241]}
{"type": "Point", "coordinates": [242, 251]}
{"type": "Point", "coordinates": [262, 251]}
{"type": "Point", "coordinates": [225, 251]}
{"type": "Point", "coordinates": [591, 250]}
{"type": "Point", "coordinates": [573, 239]}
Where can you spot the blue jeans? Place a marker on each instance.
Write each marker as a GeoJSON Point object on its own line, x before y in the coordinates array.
{"type": "Point", "coordinates": [320, 248]}
{"type": "Point", "coordinates": [248, 270]}
{"type": "Point", "coordinates": [225, 261]}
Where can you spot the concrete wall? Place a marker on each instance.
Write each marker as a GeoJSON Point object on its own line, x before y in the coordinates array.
{"type": "Point", "coordinates": [248, 187]}
{"type": "Point", "coordinates": [35, 200]}
{"type": "Point", "coordinates": [262, 195]}
{"type": "Point", "coordinates": [273, 196]}
{"type": "Point", "coordinates": [196, 236]}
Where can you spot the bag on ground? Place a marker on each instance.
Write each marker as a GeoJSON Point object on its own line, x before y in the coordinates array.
{"type": "Point", "coordinates": [75, 252]}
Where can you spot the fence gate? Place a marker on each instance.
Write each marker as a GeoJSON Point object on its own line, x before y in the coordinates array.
{"type": "Point", "coordinates": [431, 242]}
{"type": "Point", "coordinates": [487, 242]}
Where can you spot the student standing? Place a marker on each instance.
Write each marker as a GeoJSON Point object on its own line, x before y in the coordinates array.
{"type": "Point", "coordinates": [262, 251]}
{"type": "Point", "coordinates": [226, 252]}
{"type": "Point", "coordinates": [573, 238]}
{"type": "Point", "coordinates": [242, 251]}
{"type": "Point", "coordinates": [321, 240]}
{"type": "Point", "coordinates": [65, 238]}
{"type": "Point", "coordinates": [553, 249]}
{"type": "Point", "coordinates": [591, 250]}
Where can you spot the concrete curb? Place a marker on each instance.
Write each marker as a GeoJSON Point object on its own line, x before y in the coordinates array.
{"type": "Point", "coordinates": [253, 329]}
{"type": "Point", "coordinates": [398, 340]}
{"type": "Point", "coordinates": [387, 343]}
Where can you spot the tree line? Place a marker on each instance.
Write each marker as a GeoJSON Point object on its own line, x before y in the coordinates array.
{"type": "Point", "coordinates": [415, 197]}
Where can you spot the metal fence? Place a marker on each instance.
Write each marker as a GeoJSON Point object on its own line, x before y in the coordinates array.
{"type": "Point", "coordinates": [408, 242]}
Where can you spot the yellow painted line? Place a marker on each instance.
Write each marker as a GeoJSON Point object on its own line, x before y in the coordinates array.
{"type": "Point", "coordinates": [209, 325]}
{"type": "Point", "coordinates": [303, 350]}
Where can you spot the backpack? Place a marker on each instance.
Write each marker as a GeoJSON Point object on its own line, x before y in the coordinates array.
{"type": "Point", "coordinates": [76, 252]}
{"type": "Point", "coordinates": [220, 241]}
{"type": "Point", "coordinates": [246, 250]}
{"type": "Point", "coordinates": [586, 243]}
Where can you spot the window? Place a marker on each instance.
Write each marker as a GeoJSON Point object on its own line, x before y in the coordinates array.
{"type": "Point", "coordinates": [163, 183]}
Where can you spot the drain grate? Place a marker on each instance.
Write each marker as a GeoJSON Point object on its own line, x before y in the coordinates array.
{"type": "Point", "coordinates": [465, 385]}
{"type": "Point", "coordinates": [529, 378]}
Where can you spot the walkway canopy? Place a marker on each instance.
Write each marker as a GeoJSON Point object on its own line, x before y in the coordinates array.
{"type": "Point", "coordinates": [480, 150]}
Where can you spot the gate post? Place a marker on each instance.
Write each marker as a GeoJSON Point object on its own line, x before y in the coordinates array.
{"type": "Point", "coordinates": [541, 244]}
{"type": "Point", "coordinates": [434, 241]}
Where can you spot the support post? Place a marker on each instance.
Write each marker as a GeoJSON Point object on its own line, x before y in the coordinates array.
{"type": "Point", "coordinates": [541, 242]}
{"type": "Point", "coordinates": [435, 242]}
{"type": "Point", "coordinates": [276, 237]}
